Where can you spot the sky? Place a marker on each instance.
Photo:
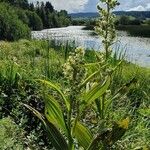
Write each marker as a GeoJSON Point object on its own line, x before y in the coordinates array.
{"type": "Point", "coordinates": [73, 6]}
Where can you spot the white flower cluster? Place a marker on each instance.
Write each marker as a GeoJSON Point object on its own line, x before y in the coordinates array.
{"type": "Point", "coordinates": [74, 70]}
{"type": "Point", "coordinates": [106, 25]}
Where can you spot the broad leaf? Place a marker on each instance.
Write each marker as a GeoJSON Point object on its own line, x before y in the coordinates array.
{"type": "Point", "coordinates": [51, 85]}
{"type": "Point", "coordinates": [83, 135]}
{"type": "Point", "coordinates": [97, 142]}
{"type": "Point", "coordinates": [118, 130]}
{"type": "Point", "coordinates": [54, 114]}
{"type": "Point", "coordinates": [89, 78]}
{"type": "Point", "coordinates": [109, 137]}
{"type": "Point", "coordinates": [56, 138]}
{"type": "Point", "coordinates": [97, 91]}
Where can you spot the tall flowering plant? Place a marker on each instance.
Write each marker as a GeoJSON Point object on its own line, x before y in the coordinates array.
{"type": "Point", "coordinates": [106, 24]}
{"type": "Point", "coordinates": [68, 117]}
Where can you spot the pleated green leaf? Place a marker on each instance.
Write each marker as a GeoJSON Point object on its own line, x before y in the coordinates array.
{"type": "Point", "coordinates": [54, 114]}
{"type": "Point", "coordinates": [53, 86]}
{"type": "Point", "coordinates": [97, 91]}
{"type": "Point", "coordinates": [83, 135]}
{"type": "Point", "coordinates": [55, 136]}
{"type": "Point", "coordinates": [89, 78]}
{"type": "Point", "coordinates": [109, 136]}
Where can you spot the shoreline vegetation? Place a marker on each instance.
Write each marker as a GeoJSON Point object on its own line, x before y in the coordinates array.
{"type": "Point", "coordinates": [135, 26]}
{"type": "Point", "coordinates": [26, 60]}
{"type": "Point", "coordinates": [21, 17]}
{"type": "Point", "coordinates": [132, 30]}
{"type": "Point", "coordinates": [58, 96]}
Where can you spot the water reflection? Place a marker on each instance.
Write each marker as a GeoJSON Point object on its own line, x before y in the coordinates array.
{"type": "Point", "coordinates": [137, 48]}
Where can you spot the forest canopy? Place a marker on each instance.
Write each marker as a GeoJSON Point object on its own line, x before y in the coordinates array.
{"type": "Point", "coordinates": [24, 17]}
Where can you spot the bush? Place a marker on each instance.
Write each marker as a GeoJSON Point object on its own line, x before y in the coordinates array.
{"type": "Point", "coordinates": [11, 28]}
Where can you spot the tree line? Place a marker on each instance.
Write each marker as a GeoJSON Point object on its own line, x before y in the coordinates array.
{"type": "Point", "coordinates": [19, 17]}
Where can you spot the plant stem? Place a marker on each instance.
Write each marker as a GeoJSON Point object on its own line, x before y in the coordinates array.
{"type": "Point", "coordinates": [106, 44]}
{"type": "Point", "coordinates": [69, 125]}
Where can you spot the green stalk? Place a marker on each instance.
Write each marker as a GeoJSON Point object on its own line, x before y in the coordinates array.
{"type": "Point", "coordinates": [69, 116]}
{"type": "Point", "coordinates": [106, 46]}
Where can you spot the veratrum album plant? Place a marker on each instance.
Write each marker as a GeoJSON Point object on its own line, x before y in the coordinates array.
{"type": "Point", "coordinates": [76, 117]}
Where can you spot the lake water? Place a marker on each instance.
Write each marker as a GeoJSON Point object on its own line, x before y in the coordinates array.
{"type": "Point", "coordinates": [137, 48]}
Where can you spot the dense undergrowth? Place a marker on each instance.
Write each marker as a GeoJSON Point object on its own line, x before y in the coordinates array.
{"type": "Point", "coordinates": [24, 61]}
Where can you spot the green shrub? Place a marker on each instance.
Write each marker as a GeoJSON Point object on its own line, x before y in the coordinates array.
{"type": "Point", "coordinates": [11, 28]}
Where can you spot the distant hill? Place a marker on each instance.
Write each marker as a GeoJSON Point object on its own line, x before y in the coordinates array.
{"type": "Point", "coordinates": [137, 14]}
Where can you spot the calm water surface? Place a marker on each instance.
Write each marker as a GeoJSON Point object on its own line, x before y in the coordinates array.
{"type": "Point", "coordinates": [137, 48]}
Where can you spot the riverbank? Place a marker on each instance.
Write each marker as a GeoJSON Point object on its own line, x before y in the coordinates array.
{"type": "Point", "coordinates": [24, 61]}
{"type": "Point", "coordinates": [136, 48]}
{"type": "Point", "coordinates": [133, 30]}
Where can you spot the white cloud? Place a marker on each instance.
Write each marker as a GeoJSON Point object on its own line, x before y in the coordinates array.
{"type": "Point", "coordinates": [148, 7]}
{"type": "Point", "coordinates": [138, 8]}
{"type": "Point", "coordinates": [144, 7]}
{"type": "Point", "coordinates": [90, 5]}
{"type": "Point", "coordinates": [69, 5]}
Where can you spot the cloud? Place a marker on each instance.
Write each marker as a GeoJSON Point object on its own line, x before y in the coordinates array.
{"type": "Point", "coordinates": [138, 8]}
{"type": "Point", "coordinates": [134, 5]}
{"type": "Point", "coordinates": [69, 5]}
{"type": "Point", "coordinates": [90, 5]}
{"type": "Point", "coordinates": [148, 7]}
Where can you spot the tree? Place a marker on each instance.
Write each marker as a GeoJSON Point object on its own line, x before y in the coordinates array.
{"type": "Point", "coordinates": [124, 20]}
{"type": "Point", "coordinates": [135, 22]}
{"type": "Point", "coordinates": [22, 16]}
{"type": "Point", "coordinates": [49, 7]}
{"type": "Point", "coordinates": [35, 22]}
{"type": "Point", "coordinates": [18, 3]}
{"type": "Point", "coordinates": [11, 28]}
{"type": "Point", "coordinates": [31, 7]}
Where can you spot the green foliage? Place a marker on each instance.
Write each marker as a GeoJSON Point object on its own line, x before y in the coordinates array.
{"type": "Point", "coordinates": [82, 113]}
{"type": "Point", "coordinates": [79, 104]}
{"type": "Point", "coordinates": [16, 17]}
{"type": "Point", "coordinates": [54, 134]}
{"type": "Point", "coordinates": [124, 20]}
{"type": "Point", "coordinates": [83, 135]}
{"type": "Point", "coordinates": [17, 3]}
{"type": "Point", "coordinates": [128, 20]}
{"type": "Point", "coordinates": [78, 98]}
{"type": "Point", "coordinates": [23, 61]}
{"type": "Point", "coordinates": [136, 30]}
{"type": "Point", "coordinates": [11, 28]}
{"type": "Point", "coordinates": [18, 66]}
{"type": "Point", "coordinates": [50, 17]}
{"type": "Point", "coordinates": [35, 22]}
{"type": "Point", "coordinates": [12, 137]}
